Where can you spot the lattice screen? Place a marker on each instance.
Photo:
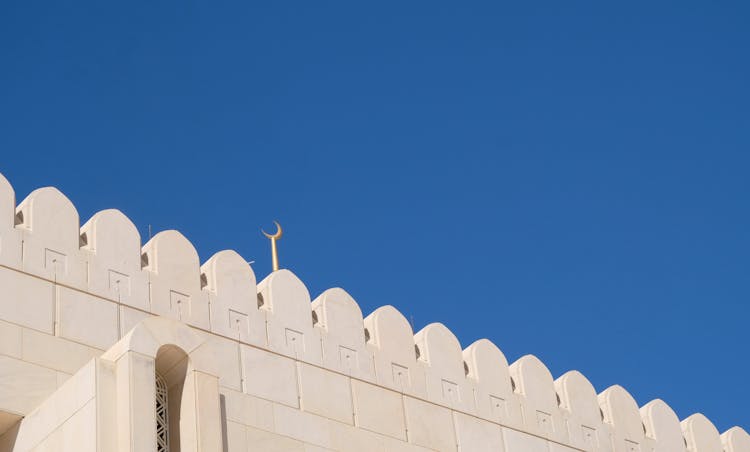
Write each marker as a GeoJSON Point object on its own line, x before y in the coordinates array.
{"type": "Point", "coordinates": [162, 415]}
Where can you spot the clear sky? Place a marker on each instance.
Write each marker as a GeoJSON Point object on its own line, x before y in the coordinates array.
{"type": "Point", "coordinates": [567, 179]}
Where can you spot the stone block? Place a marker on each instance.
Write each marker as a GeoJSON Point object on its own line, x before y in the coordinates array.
{"type": "Point", "coordinates": [445, 374]}
{"type": "Point", "coordinates": [302, 426]}
{"type": "Point", "coordinates": [232, 292]}
{"type": "Point", "coordinates": [236, 437]}
{"type": "Point", "coordinates": [55, 352]}
{"type": "Point", "coordinates": [379, 410]}
{"type": "Point", "coordinates": [86, 319]}
{"type": "Point", "coordinates": [347, 438]}
{"type": "Point", "coordinates": [106, 405]}
{"type": "Point", "coordinates": [248, 410]}
{"type": "Point", "coordinates": [392, 340]}
{"type": "Point", "coordinates": [663, 426]}
{"type": "Point", "coordinates": [66, 405]}
{"type": "Point", "coordinates": [325, 393]}
{"type": "Point", "coordinates": [51, 236]}
{"type": "Point", "coordinates": [493, 393]}
{"type": "Point", "coordinates": [314, 448]}
{"type": "Point", "coordinates": [27, 301]}
{"type": "Point", "coordinates": [113, 245]}
{"type": "Point", "coordinates": [262, 440]}
{"type": "Point", "coordinates": [23, 385]}
{"type": "Point", "coordinates": [270, 376]}
{"type": "Point", "coordinates": [344, 348]}
{"type": "Point", "coordinates": [79, 431]}
{"type": "Point", "coordinates": [516, 441]}
{"type": "Point", "coordinates": [429, 425]}
{"type": "Point", "coordinates": [556, 447]}
{"type": "Point", "coordinates": [477, 435]}
{"type": "Point", "coordinates": [52, 443]}
{"type": "Point", "coordinates": [579, 400]}
{"type": "Point", "coordinates": [225, 354]}
{"type": "Point", "coordinates": [129, 318]}
{"type": "Point", "coordinates": [10, 339]}
{"type": "Point", "coordinates": [534, 382]}
{"type": "Point", "coordinates": [207, 412]}
{"type": "Point", "coordinates": [736, 440]}
{"type": "Point", "coordinates": [700, 434]}
{"type": "Point", "coordinates": [175, 279]}
{"type": "Point", "coordinates": [135, 393]}
{"type": "Point", "coordinates": [621, 412]}
{"type": "Point", "coordinates": [286, 302]}
{"type": "Point", "coordinates": [394, 445]}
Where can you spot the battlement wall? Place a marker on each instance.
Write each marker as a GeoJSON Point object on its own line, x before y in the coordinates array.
{"type": "Point", "coordinates": [68, 293]}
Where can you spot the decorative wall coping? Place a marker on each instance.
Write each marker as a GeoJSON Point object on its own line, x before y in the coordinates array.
{"type": "Point", "coordinates": [42, 236]}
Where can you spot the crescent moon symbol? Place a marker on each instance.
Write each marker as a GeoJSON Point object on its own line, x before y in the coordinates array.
{"type": "Point", "coordinates": [278, 233]}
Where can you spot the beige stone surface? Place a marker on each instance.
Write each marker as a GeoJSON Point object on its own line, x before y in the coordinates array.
{"type": "Point", "coordinates": [10, 339]}
{"type": "Point", "coordinates": [477, 435]}
{"type": "Point", "coordinates": [663, 426]}
{"type": "Point", "coordinates": [325, 393]}
{"type": "Point", "coordinates": [230, 283]}
{"type": "Point", "coordinates": [50, 231]}
{"type": "Point", "coordinates": [395, 360]}
{"type": "Point", "coordinates": [429, 425]}
{"type": "Point", "coordinates": [270, 376]}
{"type": "Point", "coordinates": [736, 440]}
{"type": "Point", "coordinates": [207, 412]}
{"type": "Point", "coordinates": [135, 396]}
{"type": "Point", "coordinates": [556, 447]}
{"type": "Point", "coordinates": [129, 318]}
{"type": "Point", "coordinates": [28, 302]}
{"type": "Point", "coordinates": [344, 437]}
{"type": "Point", "coordinates": [302, 426]}
{"type": "Point", "coordinates": [60, 408]}
{"type": "Point", "coordinates": [76, 431]}
{"type": "Point", "coordinates": [55, 352]}
{"type": "Point", "coordinates": [445, 374]}
{"type": "Point", "coordinates": [79, 308]}
{"type": "Point", "coordinates": [248, 410]}
{"type": "Point", "coordinates": [174, 275]}
{"type": "Point", "coordinates": [286, 302]}
{"type": "Point", "coordinates": [540, 410]}
{"type": "Point", "coordinates": [236, 437]}
{"type": "Point", "coordinates": [24, 385]}
{"type": "Point", "coordinates": [344, 347]}
{"type": "Point", "coordinates": [226, 354]}
{"type": "Point", "coordinates": [621, 412]}
{"type": "Point", "coordinates": [579, 400]}
{"type": "Point", "coordinates": [523, 442]}
{"type": "Point", "coordinates": [271, 442]}
{"type": "Point", "coordinates": [114, 259]}
{"type": "Point", "coordinates": [700, 434]}
{"type": "Point", "coordinates": [488, 371]}
{"type": "Point", "coordinates": [106, 405]}
{"type": "Point", "coordinates": [379, 410]}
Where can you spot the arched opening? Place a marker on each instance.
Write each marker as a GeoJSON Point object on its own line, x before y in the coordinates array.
{"type": "Point", "coordinates": [171, 369]}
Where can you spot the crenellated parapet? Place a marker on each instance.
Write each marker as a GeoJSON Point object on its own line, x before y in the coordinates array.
{"type": "Point", "coordinates": [64, 271]}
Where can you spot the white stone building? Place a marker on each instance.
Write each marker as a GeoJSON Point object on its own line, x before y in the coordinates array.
{"type": "Point", "coordinates": [108, 345]}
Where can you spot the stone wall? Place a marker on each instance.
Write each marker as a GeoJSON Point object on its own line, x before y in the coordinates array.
{"type": "Point", "coordinates": [294, 374]}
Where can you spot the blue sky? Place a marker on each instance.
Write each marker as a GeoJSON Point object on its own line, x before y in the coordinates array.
{"type": "Point", "coordinates": [567, 179]}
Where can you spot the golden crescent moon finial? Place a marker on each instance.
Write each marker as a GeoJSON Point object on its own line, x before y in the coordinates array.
{"type": "Point", "coordinates": [273, 238]}
{"type": "Point", "coordinates": [278, 233]}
